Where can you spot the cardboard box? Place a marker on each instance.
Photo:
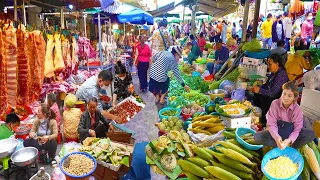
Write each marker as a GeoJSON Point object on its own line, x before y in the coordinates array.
{"type": "Point", "coordinates": [106, 171]}
{"type": "Point", "coordinates": [238, 122]}
{"type": "Point", "coordinates": [316, 128]}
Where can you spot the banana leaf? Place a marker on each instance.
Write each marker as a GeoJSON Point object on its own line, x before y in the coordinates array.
{"type": "Point", "coordinates": [172, 175]}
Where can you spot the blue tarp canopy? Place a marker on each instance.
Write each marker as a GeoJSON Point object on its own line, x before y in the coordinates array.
{"type": "Point", "coordinates": [136, 16]}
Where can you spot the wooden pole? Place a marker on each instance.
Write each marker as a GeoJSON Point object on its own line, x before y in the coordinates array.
{"type": "Point", "coordinates": [15, 13]}
{"type": "Point", "coordinates": [193, 19]}
{"type": "Point", "coordinates": [245, 20]}
{"type": "Point", "coordinates": [256, 19]}
{"type": "Point", "coordinates": [100, 47]}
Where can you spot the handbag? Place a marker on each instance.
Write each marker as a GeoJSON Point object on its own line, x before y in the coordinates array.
{"type": "Point", "coordinates": [164, 42]}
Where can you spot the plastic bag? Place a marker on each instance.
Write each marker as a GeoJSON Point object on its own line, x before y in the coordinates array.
{"type": "Point", "coordinates": [204, 140]}
{"type": "Point", "coordinates": [68, 148]}
{"type": "Point", "coordinates": [57, 174]}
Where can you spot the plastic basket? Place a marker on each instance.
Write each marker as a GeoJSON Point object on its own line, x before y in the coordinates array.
{"type": "Point", "coordinates": [168, 108]}
{"type": "Point", "coordinates": [292, 153]}
{"type": "Point", "coordinates": [241, 131]}
{"type": "Point", "coordinates": [70, 176]}
{"type": "Point", "coordinates": [262, 54]}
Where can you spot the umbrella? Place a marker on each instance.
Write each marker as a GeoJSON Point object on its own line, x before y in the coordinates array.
{"type": "Point", "coordinates": [136, 16]}
{"type": "Point", "coordinates": [84, 4]}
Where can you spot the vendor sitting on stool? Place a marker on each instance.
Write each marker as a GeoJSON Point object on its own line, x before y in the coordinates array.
{"type": "Point", "coordinates": [92, 122]}
{"type": "Point", "coordinates": [194, 53]}
{"type": "Point", "coordinates": [272, 89]}
{"type": "Point", "coordinates": [44, 133]}
{"type": "Point", "coordinates": [285, 122]}
{"type": "Point", "coordinates": [6, 129]}
{"type": "Point", "coordinates": [221, 56]}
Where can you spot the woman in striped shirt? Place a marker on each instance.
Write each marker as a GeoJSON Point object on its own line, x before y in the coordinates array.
{"type": "Point", "coordinates": [165, 61]}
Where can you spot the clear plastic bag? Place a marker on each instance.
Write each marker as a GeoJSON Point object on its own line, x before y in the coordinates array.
{"type": "Point", "coordinates": [57, 174]}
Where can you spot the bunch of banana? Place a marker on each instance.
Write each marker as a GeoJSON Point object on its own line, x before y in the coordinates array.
{"type": "Point", "coordinates": [206, 124]}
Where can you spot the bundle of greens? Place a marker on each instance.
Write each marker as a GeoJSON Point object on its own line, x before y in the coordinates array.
{"type": "Point", "coordinates": [107, 151]}
{"type": "Point", "coordinates": [252, 45]}
{"type": "Point", "coordinates": [315, 57]}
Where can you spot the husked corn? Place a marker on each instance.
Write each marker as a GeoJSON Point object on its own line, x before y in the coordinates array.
{"type": "Point", "coordinates": [281, 167]}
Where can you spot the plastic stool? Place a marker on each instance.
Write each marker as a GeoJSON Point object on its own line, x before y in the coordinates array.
{"type": "Point", "coordinates": [5, 165]}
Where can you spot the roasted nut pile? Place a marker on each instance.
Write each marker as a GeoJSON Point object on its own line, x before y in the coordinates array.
{"type": "Point", "coordinates": [79, 165]}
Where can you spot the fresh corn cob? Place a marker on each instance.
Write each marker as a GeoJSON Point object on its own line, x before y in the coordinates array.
{"type": "Point", "coordinates": [192, 168]}
{"type": "Point", "coordinates": [229, 135]}
{"type": "Point", "coordinates": [234, 155]}
{"type": "Point", "coordinates": [199, 162]}
{"type": "Point", "coordinates": [306, 170]}
{"type": "Point", "coordinates": [235, 142]}
{"type": "Point", "coordinates": [236, 148]}
{"type": "Point", "coordinates": [312, 161]}
{"type": "Point", "coordinates": [230, 162]}
{"type": "Point", "coordinates": [238, 173]}
{"type": "Point", "coordinates": [215, 129]}
{"type": "Point", "coordinates": [202, 153]}
{"type": "Point", "coordinates": [313, 146]}
{"type": "Point", "coordinates": [199, 131]}
{"type": "Point", "coordinates": [191, 176]}
{"type": "Point", "coordinates": [221, 173]}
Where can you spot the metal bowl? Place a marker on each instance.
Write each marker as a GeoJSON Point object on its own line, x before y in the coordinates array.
{"type": "Point", "coordinates": [25, 156]}
{"type": "Point", "coordinates": [7, 147]}
{"type": "Point", "coordinates": [36, 175]}
{"type": "Point", "coordinates": [216, 93]}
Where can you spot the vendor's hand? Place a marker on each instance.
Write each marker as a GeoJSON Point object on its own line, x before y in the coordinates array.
{"type": "Point", "coordinates": [44, 139]}
{"type": "Point", "coordinates": [111, 128]}
{"type": "Point", "coordinates": [32, 135]}
{"type": "Point", "coordinates": [92, 133]}
{"type": "Point", "coordinates": [118, 119]}
{"type": "Point", "coordinates": [279, 142]}
{"type": "Point", "coordinates": [305, 43]}
{"type": "Point", "coordinates": [286, 143]}
{"type": "Point", "coordinates": [255, 89]}
{"type": "Point", "coordinates": [187, 88]}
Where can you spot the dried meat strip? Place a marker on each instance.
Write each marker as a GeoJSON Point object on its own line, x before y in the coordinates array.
{"type": "Point", "coordinates": [24, 77]}
{"type": "Point", "coordinates": [3, 75]}
{"type": "Point", "coordinates": [11, 58]}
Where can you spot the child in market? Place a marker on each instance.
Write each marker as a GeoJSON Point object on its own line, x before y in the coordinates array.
{"type": "Point", "coordinates": [123, 86]}
{"type": "Point", "coordinates": [285, 122]}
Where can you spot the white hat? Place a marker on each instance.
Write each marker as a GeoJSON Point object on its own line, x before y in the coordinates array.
{"type": "Point", "coordinates": [177, 49]}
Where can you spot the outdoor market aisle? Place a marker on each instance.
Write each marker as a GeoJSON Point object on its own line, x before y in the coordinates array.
{"type": "Point", "coordinates": [143, 122]}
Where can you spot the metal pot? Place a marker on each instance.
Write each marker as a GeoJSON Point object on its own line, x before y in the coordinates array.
{"type": "Point", "coordinates": [216, 93]}
{"type": "Point", "coordinates": [36, 175]}
{"type": "Point", "coordinates": [25, 156]}
{"type": "Point", "coordinates": [7, 147]}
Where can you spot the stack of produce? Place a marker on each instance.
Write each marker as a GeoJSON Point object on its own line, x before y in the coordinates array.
{"type": "Point", "coordinates": [175, 88]}
{"type": "Point", "coordinates": [169, 113]}
{"type": "Point", "coordinates": [206, 124]}
{"type": "Point", "coordinates": [235, 108]}
{"type": "Point", "coordinates": [232, 76]}
{"type": "Point", "coordinates": [164, 153]}
{"type": "Point", "coordinates": [126, 110]}
{"type": "Point", "coordinates": [172, 123]}
{"type": "Point", "coordinates": [225, 161]}
{"type": "Point", "coordinates": [254, 44]}
{"type": "Point", "coordinates": [197, 83]}
{"type": "Point", "coordinates": [311, 156]}
{"type": "Point", "coordinates": [107, 151]}
{"type": "Point", "coordinates": [198, 98]}
{"type": "Point", "coordinates": [177, 102]}
{"type": "Point", "coordinates": [191, 109]}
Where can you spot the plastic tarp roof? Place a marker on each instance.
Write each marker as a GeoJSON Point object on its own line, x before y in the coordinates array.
{"type": "Point", "coordinates": [216, 9]}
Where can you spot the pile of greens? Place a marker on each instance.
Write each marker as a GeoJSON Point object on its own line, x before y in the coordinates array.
{"type": "Point", "coordinates": [232, 76]}
{"type": "Point", "coordinates": [315, 57]}
{"type": "Point", "coordinates": [107, 151]}
{"type": "Point", "coordinates": [196, 83]}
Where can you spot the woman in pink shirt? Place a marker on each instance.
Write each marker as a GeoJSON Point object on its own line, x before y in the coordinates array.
{"type": "Point", "coordinates": [307, 30]}
{"type": "Point", "coordinates": [55, 108]}
{"type": "Point", "coordinates": [285, 122]}
{"type": "Point", "coordinates": [143, 55]}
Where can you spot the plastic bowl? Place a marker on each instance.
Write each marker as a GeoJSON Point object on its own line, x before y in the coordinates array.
{"type": "Point", "coordinates": [292, 153]}
{"type": "Point", "coordinates": [241, 131]}
{"type": "Point", "coordinates": [71, 176]}
{"type": "Point", "coordinates": [166, 109]}
{"type": "Point", "coordinates": [185, 116]}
